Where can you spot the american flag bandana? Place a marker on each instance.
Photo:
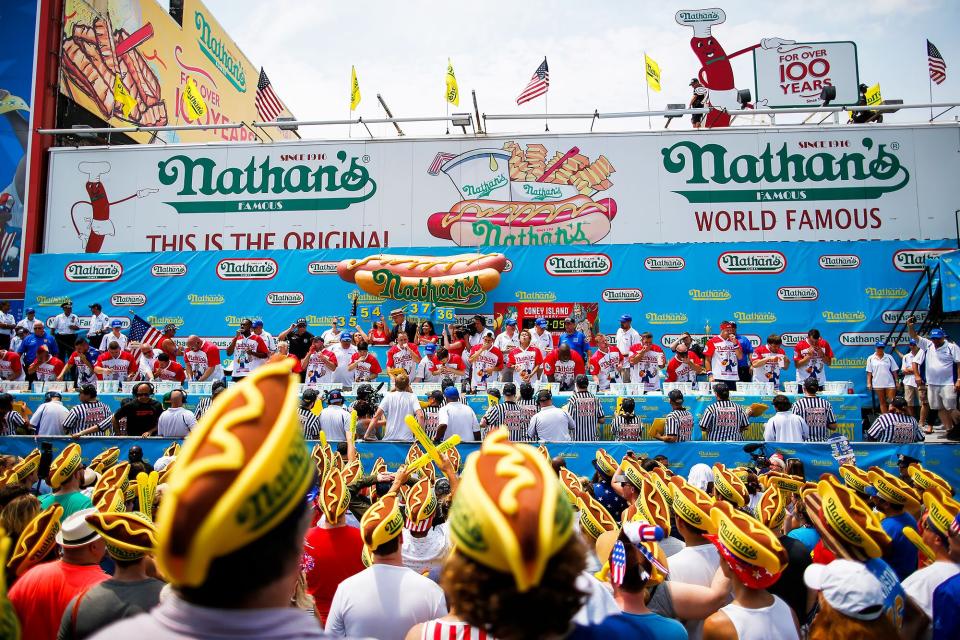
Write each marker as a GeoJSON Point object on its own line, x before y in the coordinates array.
{"type": "Point", "coordinates": [419, 527]}
{"type": "Point", "coordinates": [618, 563]}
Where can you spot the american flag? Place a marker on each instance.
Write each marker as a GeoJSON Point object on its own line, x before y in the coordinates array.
{"type": "Point", "coordinates": [438, 162]}
{"type": "Point", "coordinates": [618, 563]}
{"type": "Point", "coordinates": [938, 68]}
{"type": "Point", "coordinates": [143, 332]}
{"type": "Point", "coordinates": [955, 526]}
{"type": "Point", "coordinates": [268, 104]}
{"type": "Point", "coordinates": [539, 83]}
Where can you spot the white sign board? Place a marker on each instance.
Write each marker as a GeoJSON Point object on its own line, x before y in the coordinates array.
{"type": "Point", "coordinates": [826, 183]}
{"type": "Point", "coordinates": [792, 75]}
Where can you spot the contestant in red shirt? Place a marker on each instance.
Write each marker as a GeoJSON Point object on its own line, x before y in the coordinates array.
{"type": "Point", "coordinates": [563, 365]}
{"type": "Point", "coordinates": [283, 353]}
{"type": "Point", "coordinates": [364, 364]}
{"type": "Point", "coordinates": [168, 370]}
{"type": "Point", "coordinates": [605, 363]}
{"type": "Point", "coordinates": [11, 368]}
{"type": "Point", "coordinates": [115, 364]}
{"type": "Point", "coordinates": [487, 363]}
{"type": "Point", "coordinates": [684, 365]}
{"type": "Point", "coordinates": [402, 355]}
{"type": "Point", "coordinates": [526, 360]}
{"type": "Point", "coordinates": [446, 365]}
{"type": "Point", "coordinates": [646, 360]}
{"type": "Point", "coordinates": [812, 356]}
{"type": "Point", "coordinates": [45, 367]}
{"type": "Point", "coordinates": [769, 360]}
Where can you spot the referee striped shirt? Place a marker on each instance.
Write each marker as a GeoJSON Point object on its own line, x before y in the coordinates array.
{"type": "Point", "coordinates": [430, 425]}
{"type": "Point", "coordinates": [895, 427]}
{"type": "Point", "coordinates": [627, 427]}
{"type": "Point", "coordinates": [86, 415]}
{"type": "Point", "coordinates": [10, 423]}
{"type": "Point", "coordinates": [528, 409]}
{"type": "Point", "coordinates": [679, 422]}
{"type": "Point", "coordinates": [818, 412]}
{"type": "Point", "coordinates": [587, 413]}
{"type": "Point", "coordinates": [310, 424]}
{"type": "Point", "coordinates": [202, 406]}
{"type": "Point", "coordinates": [724, 420]}
{"type": "Point", "coordinates": [511, 415]}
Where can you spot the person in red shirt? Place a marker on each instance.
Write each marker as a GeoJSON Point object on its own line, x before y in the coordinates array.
{"type": "Point", "coordinates": [166, 369]}
{"type": "Point", "coordinates": [45, 367]}
{"type": "Point", "coordinates": [646, 359]}
{"type": "Point", "coordinates": [115, 364]}
{"type": "Point", "coordinates": [203, 360]}
{"type": "Point", "coordinates": [364, 364]}
{"type": "Point", "coordinates": [444, 364]}
{"type": "Point", "coordinates": [11, 368]}
{"type": "Point", "coordinates": [487, 362]}
{"type": "Point", "coordinates": [769, 360]}
{"type": "Point", "coordinates": [684, 365]}
{"type": "Point", "coordinates": [457, 341]}
{"type": "Point", "coordinates": [722, 354]}
{"type": "Point", "coordinates": [283, 353]}
{"type": "Point", "coordinates": [563, 365]}
{"type": "Point", "coordinates": [812, 356]}
{"type": "Point", "coordinates": [402, 355]}
{"type": "Point", "coordinates": [427, 334]}
{"type": "Point", "coordinates": [319, 363]}
{"type": "Point", "coordinates": [378, 334]}
{"type": "Point", "coordinates": [167, 343]}
{"type": "Point", "coordinates": [83, 359]}
{"type": "Point", "coordinates": [605, 363]}
{"type": "Point", "coordinates": [526, 360]}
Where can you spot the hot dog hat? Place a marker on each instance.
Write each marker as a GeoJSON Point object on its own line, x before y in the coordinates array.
{"type": "Point", "coordinates": [382, 522]}
{"type": "Point", "coordinates": [333, 497]}
{"type": "Point", "coordinates": [413, 453]}
{"type": "Point", "coordinates": [571, 486]}
{"type": "Point", "coordinates": [847, 526]}
{"type": "Point", "coordinates": [127, 536]}
{"type": "Point", "coordinates": [37, 540]}
{"type": "Point", "coordinates": [173, 450]}
{"type": "Point", "coordinates": [893, 489]}
{"type": "Point", "coordinates": [113, 478]}
{"type": "Point", "coordinates": [421, 505]}
{"type": "Point", "coordinates": [654, 507]}
{"type": "Point", "coordinates": [751, 550]}
{"type": "Point", "coordinates": [111, 500]}
{"type": "Point", "coordinates": [26, 467]}
{"type": "Point", "coordinates": [660, 476]}
{"type": "Point", "coordinates": [605, 463]}
{"type": "Point", "coordinates": [320, 459]}
{"type": "Point", "coordinates": [729, 486]}
{"type": "Point", "coordinates": [941, 512]}
{"type": "Point", "coordinates": [692, 505]}
{"type": "Point", "coordinates": [772, 509]}
{"type": "Point", "coordinates": [925, 479]}
{"type": "Point", "coordinates": [633, 471]}
{"type": "Point", "coordinates": [594, 518]}
{"type": "Point", "coordinates": [352, 471]}
{"type": "Point", "coordinates": [855, 478]}
{"type": "Point", "coordinates": [250, 438]}
{"type": "Point", "coordinates": [543, 449]}
{"type": "Point", "coordinates": [783, 481]}
{"type": "Point", "coordinates": [456, 460]}
{"type": "Point", "coordinates": [509, 513]}
{"type": "Point", "coordinates": [105, 459]}
{"type": "Point", "coordinates": [65, 465]}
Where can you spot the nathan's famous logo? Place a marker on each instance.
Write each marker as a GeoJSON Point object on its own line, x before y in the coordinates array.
{"type": "Point", "coordinates": [664, 263]}
{"type": "Point", "coordinates": [51, 301]}
{"type": "Point", "coordinates": [216, 50]}
{"type": "Point", "coordinates": [262, 186]}
{"type": "Point", "coordinates": [666, 318]}
{"type": "Point", "coordinates": [322, 267]}
{"type": "Point", "coordinates": [622, 295]}
{"type": "Point", "coordinates": [458, 280]}
{"type": "Point", "coordinates": [534, 296]}
{"type": "Point", "coordinates": [578, 264]}
{"type": "Point", "coordinates": [835, 261]}
{"type": "Point", "coordinates": [733, 539]}
{"type": "Point", "coordinates": [797, 294]}
{"type": "Point", "coordinates": [93, 271]}
{"type": "Point", "coordinates": [843, 316]}
{"type": "Point", "coordinates": [887, 293]}
{"type": "Point", "coordinates": [761, 317]}
{"type": "Point", "coordinates": [899, 316]}
{"type": "Point", "coordinates": [915, 259]}
{"type": "Point", "coordinates": [235, 321]}
{"type": "Point", "coordinates": [168, 270]}
{"type": "Point", "coordinates": [860, 175]}
{"type": "Point", "coordinates": [205, 299]}
{"type": "Point", "coordinates": [159, 321]}
{"type": "Point", "coordinates": [869, 338]}
{"type": "Point", "coordinates": [737, 262]}
{"type": "Point", "coordinates": [284, 298]}
{"type": "Point", "coordinates": [246, 269]}
{"type": "Point", "coordinates": [708, 295]}
{"type": "Point", "coordinates": [792, 339]}
{"type": "Point", "coordinates": [128, 299]}
{"type": "Point", "coordinates": [520, 197]}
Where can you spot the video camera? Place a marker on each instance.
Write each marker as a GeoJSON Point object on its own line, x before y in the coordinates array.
{"type": "Point", "coordinates": [758, 453]}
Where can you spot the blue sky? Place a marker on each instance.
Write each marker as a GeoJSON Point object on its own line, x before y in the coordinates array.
{"type": "Point", "coordinates": [595, 51]}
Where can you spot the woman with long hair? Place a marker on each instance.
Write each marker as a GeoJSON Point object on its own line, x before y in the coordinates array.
{"type": "Point", "coordinates": [379, 335]}
{"type": "Point", "coordinates": [456, 339]}
{"type": "Point", "coordinates": [426, 334]}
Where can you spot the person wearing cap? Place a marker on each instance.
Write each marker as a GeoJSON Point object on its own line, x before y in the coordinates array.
{"type": "Point", "coordinates": [426, 543]}
{"type": "Point", "coordinates": [605, 364]}
{"type": "Point", "coordinates": [11, 366]}
{"type": "Point", "coordinates": [541, 338]}
{"type": "Point", "coordinates": [817, 412]}
{"type": "Point", "coordinates": [29, 317]}
{"type": "Point", "coordinates": [486, 362]}
{"type": "Point", "coordinates": [851, 602]}
{"type": "Point", "coordinates": [678, 424]}
{"type": "Point", "coordinates": [332, 335]}
{"type": "Point", "coordinates": [48, 419]}
{"type": "Point", "coordinates": [550, 423]}
{"type": "Point", "coordinates": [30, 347]}
{"type": "Point", "coordinates": [586, 411]}
{"type": "Point", "coordinates": [403, 597]}
{"type": "Point", "coordinates": [250, 349]}
{"type": "Point", "coordinates": [431, 412]}
{"type": "Point", "coordinates": [646, 360]}
{"type": "Point", "coordinates": [941, 372]}
{"type": "Point", "coordinates": [626, 338]}
{"type": "Point", "coordinates": [91, 415]}
{"type": "Point", "coordinates": [115, 335]}
{"type": "Point", "coordinates": [897, 426]}
{"type": "Point", "coordinates": [424, 370]}
{"type": "Point", "coordinates": [920, 585]}
{"type": "Point", "coordinates": [130, 539]}
{"type": "Point", "coordinates": [140, 415]}
{"type": "Point", "coordinates": [363, 364]}
{"type": "Point", "coordinates": [526, 360]}
{"type": "Point", "coordinates": [724, 419]}
{"type": "Point", "coordinates": [402, 356]}
{"type": "Point", "coordinates": [83, 362]}
{"type": "Point", "coordinates": [785, 425]}
{"type": "Point", "coordinates": [768, 361]}
{"type": "Point", "coordinates": [343, 353]}
{"type": "Point", "coordinates": [177, 421]}
{"type": "Point", "coordinates": [41, 595]}
{"type": "Point", "coordinates": [203, 405]}
{"type": "Point", "coordinates": [319, 363]}
{"type": "Point", "coordinates": [299, 338]}
{"type": "Point", "coordinates": [696, 102]}
{"type": "Point", "coordinates": [19, 334]}
{"type": "Point", "coordinates": [99, 324]}
{"type": "Point", "coordinates": [335, 418]}
{"type": "Point", "coordinates": [812, 356]}
{"type": "Point", "coordinates": [46, 367]}
{"type": "Point", "coordinates": [506, 413]}
{"type": "Point", "coordinates": [65, 326]}
{"type": "Point", "coordinates": [914, 387]}
{"type": "Point", "coordinates": [309, 421]}
{"type": "Point", "coordinates": [266, 336]}
{"type": "Point", "coordinates": [392, 412]}
{"type": "Point", "coordinates": [7, 324]}
{"type": "Point", "coordinates": [722, 354]}
{"type": "Point", "coordinates": [115, 364]}
{"type": "Point", "coordinates": [506, 341]}
{"type": "Point", "coordinates": [456, 418]}
{"type": "Point", "coordinates": [882, 375]}
{"type": "Point", "coordinates": [889, 497]}
{"type": "Point", "coordinates": [684, 366]}
{"type": "Point", "coordinates": [202, 360]}
{"type": "Point", "coordinates": [574, 338]}
{"type": "Point", "coordinates": [400, 325]}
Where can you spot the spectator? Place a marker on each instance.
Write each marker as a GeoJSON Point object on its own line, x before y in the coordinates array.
{"type": "Point", "coordinates": [426, 539]}
{"type": "Point", "coordinates": [427, 334]}
{"type": "Point", "coordinates": [266, 336]}
{"type": "Point", "coordinates": [89, 416]}
{"type": "Point", "coordinates": [897, 426]}
{"type": "Point", "coordinates": [115, 335]}
{"type": "Point", "coordinates": [626, 423]}
{"type": "Point", "coordinates": [506, 342]}
{"type": "Point", "coordinates": [49, 417]}
{"type": "Point", "coordinates": [115, 364]}
{"type": "Point", "coordinates": [83, 362]}
{"type": "Point", "coordinates": [64, 477]}
{"type": "Point", "coordinates": [817, 412]}
{"type": "Point", "coordinates": [696, 102]}
{"type": "Point", "coordinates": [882, 375]}
{"type": "Point", "coordinates": [138, 416]}
{"type": "Point", "coordinates": [890, 496]}
{"type": "Point", "coordinates": [7, 325]}
{"type": "Point", "coordinates": [45, 367]}
{"type": "Point", "coordinates": [812, 356]}
{"type": "Point", "coordinates": [65, 326]}
{"type": "Point", "coordinates": [678, 424]}
{"type": "Point", "coordinates": [851, 602]}
{"type": "Point", "coordinates": [250, 350]}
{"type": "Point", "coordinates": [19, 510]}
{"type": "Point", "coordinates": [457, 417]}
{"type": "Point", "coordinates": [378, 333]}
{"type": "Point", "coordinates": [11, 422]}
{"type": "Point", "coordinates": [31, 346]}
{"type": "Point", "coordinates": [941, 371]}
{"type": "Point", "coordinates": [335, 419]}
{"type": "Point", "coordinates": [400, 325]}
{"type": "Point", "coordinates": [724, 420]}
{"type": "Point", "coordinates": [914, 387]}
{"type": "Point", "coordinates": [769, 361]}
{"type": "Point", "coordinates": [586, 411]}
{"type": "Point", "coordinates": [550, 423]}
{"type": "Point", "coordinates": [19, 334]}
{"type": "Point", "coordinates": [392, 411]}
{"type": "Point", "coordinates": [29, 319]}
{"type": "Point", "coordinates": [309, 421]}
{"type": "Point", "coordinates": [575, 339]}
{"type": "Point", "coordinates": [785, 426]}
{"type": "Point", "coordinates": [177, 421]}
{"type": "Point", "coordinates": [99, 325]}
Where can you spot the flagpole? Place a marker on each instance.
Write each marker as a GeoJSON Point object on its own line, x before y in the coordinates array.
{"type": "Point", "coordinates": [448, 116]}
{"type": "Point", "coordinates": [647, 82]}
{"type": "Point", "coordinates": [930, 82]}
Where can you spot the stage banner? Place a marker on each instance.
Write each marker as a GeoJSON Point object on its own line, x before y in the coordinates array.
{"type": "Point", "coordinates": [817, 458]}
{"type": "Point", "coordinates": [946, 269]}
{"type": "Point", "coordinates": [850, 183]}
{"type": "Point", "coordinates": [852, 292]}
{"type": "Point", "coordinates": [793, 75]}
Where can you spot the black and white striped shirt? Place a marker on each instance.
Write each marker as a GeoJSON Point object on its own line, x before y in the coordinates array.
{"type": "Point", "coordinates": [86, 415]}
{"type": "Point", "coordinates": [510, 414]}
{"type": "Point", "coordinates": [724, 420]}
{"type": "Point", "coordinates": [679, 422]}
{"type": "Point", "coordinates": [310, 424]}
{"type": "Point", "coordinates": [627, 427]}
{"type": "Point", "coordinates": [202, 407]}
{"type": "Point", "coordinates": [818, 412]}
{"type": "Point", "coordinates": [587, 412]}
{"type": "Point", "coordinates": [895, 427]}
{"type": "Point", "coordinates": [10, 423]}
{"type": "Point", "coordinates": [528, 409]}
{"type": "Point", "coordinates": [430, 424]}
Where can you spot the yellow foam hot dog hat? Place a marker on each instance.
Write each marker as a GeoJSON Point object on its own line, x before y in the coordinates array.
{"type": "Point", "coordinates": [594, 517]}
{"type": "Point", "coordinates": [127, 536]}
{"type": "Point", "coordinates": [113, 478]}
{"type": "Point", "coordinates": [106, 459]}
{"type": "Point", "coordinates": [173, 450]}
{"type": "Point", "coordinates": [571, 486]}
{"type": "Point", "coordinates": [421, 506]}
{"type": "Point", "coordinates": [772, 509]}
{"type": "Point", "coordinates": [37, 540]}
{"type": "Point", "coordinates": [382, 522]}
{"type": "Point", "coordinates": [654, 507]}
{"type": "Point", "coordinates": [941, 511]}
{"type": "Point", "coordinates": [26, 467]}
{"type": "Point", "coordinates": [751, 550]}
{"type": "Point", "coordinates": [729, 486]}
{"type": "Point", "coordinates": [64, 465]}
{"type": "Point", "coordinates": [847, 525]}
{"type": "Point", "coordinates": [605, 463]}
{"type": "Point", "coordinates": [333, 497]}
{"type": "Point", "coordinates": [509, 513]}
{"type": "Point", "coordinates": [925, 479]}
{"type": "Point", "coordinates": [692, 505]}
{"type": "Point", "coordinates": [244, 468]}
{"type": "Point", "coordinates": [855, 478]}
{"type": "Point", "coordinates": [783, 481]}
{"type": "Point", "coordinates": [894, 490]}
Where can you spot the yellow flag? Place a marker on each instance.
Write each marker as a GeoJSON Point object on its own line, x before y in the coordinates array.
{"type": "Point", "coordinates": [453, 92]}
{"type": "Point", "coordinates": [123, 97]}
{"type": "Point", "coordinates": [354, 89]}
{"type": "Point", "coordinates": [653, 72]}
{"type": "Point", "coordinates": [193, 104]}
{"type": "Point", "coordinates": [873, 95]}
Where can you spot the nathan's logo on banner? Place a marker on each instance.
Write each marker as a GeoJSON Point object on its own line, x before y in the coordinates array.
{"type": "Point", "coordinates": [52, 301]}
{"type": "Point", "coordinates": [792, 339]}
{"type": "Point", "coordinates": [885, 294]}
{"type": "Point", "coordinates": [622, 295]}
{"type": "Point", "coordinates": [869, 338]}
{"type": "Point", "coordinates": [762, 317]}
{"type": "Point", "coordinates": [664, 263]}
{"type": "Point", "coordinates": [236, 321]}
{"type": "Point", "coordinates": [484, 189]}
{"type": "Point", "coordinates": [261, 186]}
{"type": "Point", "coordinates": [534, 296]}
{"type": "Point", "coordinates": [216, 50]}
{"type": "Point", "coordinates": [844, 316]}
{"type": "Point", "coordinates": [715, 295]}
{"type": "Point", "coordinates": [668, 339]}
{"type": "Point", "coordinates": [737, 262]}
{"type": "Point", "coordinates": [168, 270]}
{"type": "Point", "coordinates": [205, 299]}
{"type": "Point", "coordinates": [456, 281]}
{"type": "Point", "coordinates": [899, 316]}
{"type": "Point", "coordinates": [285, 298]}
{"type": "Point", "coordinates": [666, 318]}
{"type": "Point", "coordinates": [915, 259]}
{"type": "Point", "coordinates": [508, 267]}
{"type": "Point", "coordinates": [797, 294]}
{"type": "Point", "coordinates": [849, 363]}
{"type": "Point", "coordinates": [578, 264]}
{"type": "Point", "coordinates": [847, 261]}
{"type": "Point", "coordinates": [247, 269]}
{"type": "Point", "coordinates": [159, 321]}
{"type": "Point", "coordinates": [322, 267]}
{"type": "Point", "coordinates": [93, 271]}
{"type": "Point", "coordinates": [865, 175]}
{"type": "Point", "coordinates": [128, 299]}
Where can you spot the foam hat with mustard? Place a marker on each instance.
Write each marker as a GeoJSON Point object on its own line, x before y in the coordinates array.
{"type": "Point", "coordinates": [571, 486]}
{"type": "Point", "coordinates": [242, 471]}
{"type": "Point", "coordinates": [942, 511]}
{"type": "Point", "coordinates": [652, 507]}
{"type": "Point", "coordinates": [847, 525]}
{"type": "Point", "coordinates": [771, 509]}
{"type": "Point", "coordinates": [37, 540]}
{"type": "Point", "coordinates": [65, 465]}
{"type": "Point", "coordinates": [105, 459]}
{"type": "Point", "coordinates": [26, 467]}
{"type": "Point", "coordinates": [382, 522]}
{"type": "Point", "coordinates": [894, 490]}
{"type": "Point", "coordinates": [692, 505]}
{"type": "Point", "coordinates": [925, 479]}
{"type": "Point", "coordinates": [856, 478]}
{"type": "Point", "coordinates": [421, 504]}
{"type": "Point", "coordinates": [605, 463]}
{"type": "Point", "coordinates": [783, 481]}
{"type": "Point", "coordinates": [509, 513]}
{"type": "Point", "coordinates": [333, 497]}
{"type": "Point", "coordinates": [116, 477]}
{"type": "Point", "coordinates": [751, 550]}
{"type": "Point", "coordinates": [594, 517]}
{"type": "Point", "coordinates": [728, 485]}
{"type": "Point", "coordinates": [127, 536]}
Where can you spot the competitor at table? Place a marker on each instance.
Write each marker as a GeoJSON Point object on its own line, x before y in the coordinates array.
{"type": "Point", "coordinates": [882, 375]}
{"type": "Point", "coordinates": [576, 339]}
{"type": "Point", "coordinates": [250, 349]}
{"type": "Point", "coordinates": [626, 423]}
{"type": "Point", "coordinates": [724, 420]}
{"type": "Point", "coordinates": [744, 370]}
{"type": "Point", "coordinates": [550, 423]}
{"type": "Point", "coordinates": [541, 338]}
{"type": "Point", "coordinates": [46, 367]}
{"type": "Point", "coordinates": [627, 336]}
{"type": "Point", "coordinates": [115, 364]}
{"type": "Point", "coordinates": [11, 367]}
{"type": "Point", "coordinates": [684, 365]}
{"type": "Point", "coordinates": [605, 363]}
{"type": "Point", "coordinates": [586, 411]}
{"type": "Point", "coordinates": [82, 359]}
{"type": "Point", "coordinates": [202, 360]}
{"type": "Point", "coordinates": [721, 355]}
{"type": "Point", "coordinates": [646, 361]}
{"type": "Point", "coordinates": [364, 364]}
{"type": "Point", "coordinates": [678, 424]}
{"type": "Point", "coordinates": [526, 360]}
{"type": "Point", "coordinates": [166, 370]}
{"type": "Point", "coordinates": [562, 366]}
{"type": "Point", "coordinates": [115, 335]}
{"type": "Point", "coordinates": [898, 426]}
{"type": "Point", "coordinates": [812, 356]}
{"type": "Point", "coordinates": [506, 342]}
{"type": "Point", "coordinates": [486, 363]}
{"type": "Point", "coordinates": [343, 352]}
{"type": "Point", "coordinates": [769, 360]}
{"type": "Point", "coordinates": [319, 363]}
{"type": "Point", "coordinates": [445, 364]}
{"type": "Point", "coordinates": [817, 412]}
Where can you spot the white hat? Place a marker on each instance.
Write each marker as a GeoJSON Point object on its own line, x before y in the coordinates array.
{"type": "Point", "coordinates": [701, 20]}
{"type": "Point", "coordinates": [700, 475]}
{"type": "Point", "coordinates": [75, 532]}
{"type": "Point", "coordinates": [163, 462]}
{"type": "Point", "coordinates": [848, 587]}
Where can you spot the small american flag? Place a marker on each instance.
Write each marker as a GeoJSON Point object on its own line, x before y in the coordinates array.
{"type": "Point", "coordinates": [438, 162]}
{"type": "Point", "coordinates": [539, 83]}
{"type": "Point", "coordinates": [618, 563]}
{"type": "Point", "coordinates": [955, 526]}
{"type": "Point", "coordinates": [938, 68]}
{"type": "Point", "coordinates": [268, 104]}
{"type": "Point", "coordinates": [143, 332]}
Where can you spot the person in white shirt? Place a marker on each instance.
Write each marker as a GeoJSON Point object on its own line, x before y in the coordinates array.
{"type": "Point", "coordinates": [251, 351]}
{"type": "Point", "coordinates": [344, 351]}
{"type": "Point", "coordinates": [65, 326]}
{"type": "Point", "coordinates": [550, 424]}
{"type": "Point", "coordinates": [335, 419]}
{"type": "Point", "coordinates": [99, 324]}
{"type": "Point", "coordinates": [785, 426]}
{"type": "Point", "coordinates": [424, 371]}
{"type": "Point", "coordinates": [48, 418]}
{"type": "Point", "coordinates": [941, 369]}
{"type": "Point", "coordinates": [331, 335]}
{"type": "Point", "coordinates": [19, 334]}
{"type": "Point", "coordinates": [393, 410]}
{"type": "Point", "coordinates": [146, 359]}
{"type": "Point", "coordinates": [541, 338]}
{"type": "Point", "coordinates": [177, 421]}
{"type": "Point", "coordinates": [882, 375]}
{"type": "Point", "coordinates": [114, 336]}
{"type": "Point", "coordinates": [480, 330]}
{"type": "Point", "coordinates": [7, 324]}
{"type": "Point", "coordinates": [914, 388]}
{"type": "Point", "coordinates": [386, 599]}
{"type": "Point", "coordinates": [507, 342]}
{"type": "Point", "coordinates": [457, 418]}
{"type": "Point", "coordinates": [266, 336]}
{"type": "Point", "coordinates": [627, 336]}
{"type": "Point", "coordinates": [29, 318]}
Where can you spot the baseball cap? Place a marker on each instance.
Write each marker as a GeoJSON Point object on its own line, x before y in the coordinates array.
{"type": "Point", "coordinates": [694, 81]}
{"type": "Point", "coordinates": [116, 323]}
{"type": "Point", "coordinates": [848, 587]}
{"type": "Point", "coordinates": [880, 343]}
{"type": "Point", "coordinates": [302, 321]}
{"type": "Point", "coordinates": [938, 333]}
{"type": "Point", "coordinates": [96, 305]}
{"type": "Point", "coordinates": [309, 395]}
{"type": "Point", "coordinates": [451, 393]}
{"type": "Point", "coordinates": [29, 310]}
{"type": "Point", "coordinates": [675, 395]}
{"type": "Point", "coordinates": [68, 303]}
{"type": "Point", "coordinates": [626, 318]}
{"type": "Point", "coordinates": [258, 323]}
{"type": "Point", "coordinates": [430, 349]}
{"type": "Point", "coordinates": [346, 336]}
{"type": "Point", "coordinates": [50, 395]}
{"type": "Point", "coordinates": [509, 389]}
{"type": "Point", "coordinates": [912, 342]}
{"type": "Point", "coordinates": [511, 322]}
{"type": "Point", "coordinates": [540, 322]}
{"type": "Point", "coordinates": [582, 381]}
{"type": "Point", "coordinates": [335, 397]}
{"type": "Point", "coordinates": [436, 394]}
{"type": "Point", "coordinates": [569, 319]}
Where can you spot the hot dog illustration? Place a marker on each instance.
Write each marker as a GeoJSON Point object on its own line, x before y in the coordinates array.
{"type": "Point", "coordinates": [92, 230]}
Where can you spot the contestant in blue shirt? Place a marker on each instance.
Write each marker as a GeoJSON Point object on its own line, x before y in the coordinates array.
{"type": "Point", "coordinates": [744, 370]}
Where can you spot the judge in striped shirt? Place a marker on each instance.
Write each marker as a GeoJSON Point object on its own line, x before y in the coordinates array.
{"type": "Point", "coordinates": [724, 420]}
{"type": "Point", "coordinates": [586, 411]}
{"type": "Point", "coordinates": [679, 422]}
{"type": "Point", "coordinates": [816, 411]}
{"type": "Point", "coordinates": [898, 426]}
{"type": "Point", "coordinates": [90, 416]}
{"type": "Point", "coordinates": [507, 413]}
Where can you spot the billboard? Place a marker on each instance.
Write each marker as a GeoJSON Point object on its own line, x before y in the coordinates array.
{"type": "Point", "coordinates": [833, 183]}
{"type": "Point", "coordinates": [792, 75]}
{"type": "Point", "coordinates": [129, 63]}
